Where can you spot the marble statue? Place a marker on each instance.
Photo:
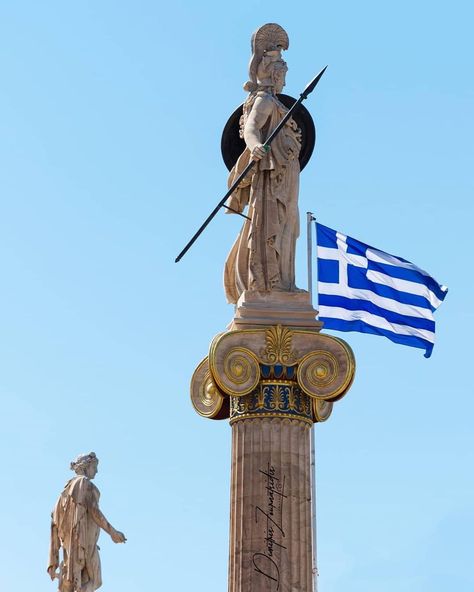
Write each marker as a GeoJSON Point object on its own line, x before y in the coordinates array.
{"type": "Point", "coordinates": [75, 526]}
{"type": "Point", "coordinates": [263, 256]}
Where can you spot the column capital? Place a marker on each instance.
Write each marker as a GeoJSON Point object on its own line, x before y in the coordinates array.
{"type": "Point", "coordinates": [247, 372]}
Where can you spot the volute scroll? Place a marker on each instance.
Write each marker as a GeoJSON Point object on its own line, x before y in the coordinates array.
{"type": "Point", "coordinates": [206, 398]}
{"type": "Point", "coordinates": [326, 374]}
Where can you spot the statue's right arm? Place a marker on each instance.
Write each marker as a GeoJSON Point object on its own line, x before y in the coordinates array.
{"type": "Point", "coordinates": [101, 520]}
{"type": "Point", "coordinates": [258, 116]}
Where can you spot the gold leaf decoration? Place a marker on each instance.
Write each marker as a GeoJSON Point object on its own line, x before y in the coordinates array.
{"type": "Point", "coordinates": [278, 348]}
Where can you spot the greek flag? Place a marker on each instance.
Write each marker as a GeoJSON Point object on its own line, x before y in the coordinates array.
{"type": "Point", "coordinates": [364, 289]}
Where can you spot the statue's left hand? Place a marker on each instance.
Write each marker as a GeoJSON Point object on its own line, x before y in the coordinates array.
{"type": "Point", "coordinates": [118, 537]}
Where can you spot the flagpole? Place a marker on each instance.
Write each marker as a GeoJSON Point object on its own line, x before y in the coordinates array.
{"type": "Point", "coordinates": [309, 241]}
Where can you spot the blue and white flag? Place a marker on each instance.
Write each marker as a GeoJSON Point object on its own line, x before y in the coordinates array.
{"type": "Point", "coordinates": [364, 289]}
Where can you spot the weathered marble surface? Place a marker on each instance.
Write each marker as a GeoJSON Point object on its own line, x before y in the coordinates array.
{"type": "Point", "coordinates": [75, 527]}
{"type": "Point", "coordinates": [263, 256]}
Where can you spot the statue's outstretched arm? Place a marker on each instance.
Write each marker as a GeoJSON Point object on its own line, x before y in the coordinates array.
{"type": "Point", "coordinates": [101, 520]}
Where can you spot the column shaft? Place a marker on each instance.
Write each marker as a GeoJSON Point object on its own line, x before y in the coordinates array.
{"type": "Point", "coordinates": [270, 523]}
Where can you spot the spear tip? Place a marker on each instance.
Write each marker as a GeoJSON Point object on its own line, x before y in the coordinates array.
{"type": "Point", "coordinates": [311, 86]}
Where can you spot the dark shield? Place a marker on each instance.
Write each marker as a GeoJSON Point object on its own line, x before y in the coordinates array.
{"type": "Point", "coordinates": [232, 145]}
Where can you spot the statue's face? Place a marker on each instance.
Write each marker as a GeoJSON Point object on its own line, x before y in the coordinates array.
{"type": "Point", "coordinates": [91, 469]}
{"type": "Point", "coordinates": [279, 76]}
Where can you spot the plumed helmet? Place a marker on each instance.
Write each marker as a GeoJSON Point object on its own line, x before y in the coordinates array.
{"type": "Point", "coordinates": [267, 42]}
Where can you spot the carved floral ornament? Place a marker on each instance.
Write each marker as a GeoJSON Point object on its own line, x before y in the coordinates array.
{"type": "Point", "coordinates": [321, 366]}
{"type": "Point", "coordinates": [278, 348]}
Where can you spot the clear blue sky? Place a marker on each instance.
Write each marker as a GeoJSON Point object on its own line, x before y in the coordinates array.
{"type": "Point", "coordinates": [111, 116]}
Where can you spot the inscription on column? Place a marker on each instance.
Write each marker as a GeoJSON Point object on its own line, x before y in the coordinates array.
{"type": "Point", "coordinates": [270, 517]}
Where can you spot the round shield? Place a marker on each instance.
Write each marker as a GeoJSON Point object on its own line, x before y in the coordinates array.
{"type": "Point", "coordinates": [232, 145]}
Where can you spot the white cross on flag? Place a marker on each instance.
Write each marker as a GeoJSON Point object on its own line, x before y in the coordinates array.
{"type": "Point", "coordinates": [364, 289]}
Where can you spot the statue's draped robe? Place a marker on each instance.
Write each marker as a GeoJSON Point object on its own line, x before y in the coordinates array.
{"type": "Point", "coordinates": [73, 529]}
{"type": "Point", "coordinates": [263, 256]}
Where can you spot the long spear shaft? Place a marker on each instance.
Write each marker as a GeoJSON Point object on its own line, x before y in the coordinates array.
{"type": "Point", "coordinates": [304, 95]}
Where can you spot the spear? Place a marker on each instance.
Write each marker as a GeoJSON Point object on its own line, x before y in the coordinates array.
{"type": "Point", "coordinates": [304, 95]}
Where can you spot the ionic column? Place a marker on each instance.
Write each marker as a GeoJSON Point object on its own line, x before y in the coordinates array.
{"type": "Point", "coordinates": [273, 383]}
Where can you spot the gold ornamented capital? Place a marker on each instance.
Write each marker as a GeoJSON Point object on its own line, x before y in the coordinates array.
{"type": "Point", "coordinates": [278, 361]}
{"type": "Point", "coordinates": [281, 399]}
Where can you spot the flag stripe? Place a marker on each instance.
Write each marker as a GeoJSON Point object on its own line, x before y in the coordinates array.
{"type": "Point", "coordinates": [387, 303]}
{"type": "Point", "coordinates": [381, 257]}
{"type": "Point", "coordinates": [410, 275]}
{"type": "Point", "coordinates": [364, 289]}
{"type": "Point", "coordinates": [328, 272]}
{"type": "Point", "coordinates": [374, 321]}
{"type": "Point", "coordinates": [359, 280]}
{"type": "Point", "coordinates": [388, 286]}
{"type": "Point", "coordinates": [364, 305]}
{"type": "Point", "coordinates": [326, 237]}
{"type": "Point", "coordinates": [404, 286]}
{"type": "Point", "coordinates": [361, 327]}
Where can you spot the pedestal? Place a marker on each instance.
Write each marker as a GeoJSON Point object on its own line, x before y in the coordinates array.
{"type": "Point", "coordinates": [290, 309]}
{"type": "Point", "coordinates": [273, 383]}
